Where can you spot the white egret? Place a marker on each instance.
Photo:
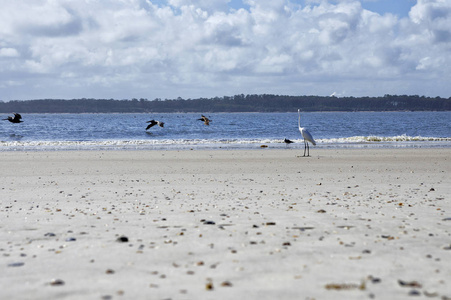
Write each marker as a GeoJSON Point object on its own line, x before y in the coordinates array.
{"type": "Point", "coordinates": [306, 135]}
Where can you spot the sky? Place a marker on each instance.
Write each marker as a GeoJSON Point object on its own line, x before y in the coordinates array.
{"type": "Point", "coordinates": [124, 49]}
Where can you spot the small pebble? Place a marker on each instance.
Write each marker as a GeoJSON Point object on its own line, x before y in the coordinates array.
{"type": "Point", "coordinates": [374, 279]}
{"type": "Point", "coordinates": [414, 293]}
{"type": "Point", "coordinates": [57, 282]}
{"type": "Point", "coordinates": [209, 286]}
{"type": "Point", "coordinates": [16, 264]}
{"type": "Point", "coordinates": [304, 228]}
{"type": "Point", "coordinates": [430, 294]}
{"type": "Point", "coordinates": [409, 283]}
{"type": "Point", "coordinates": [122, 239]}
{"type": "Point", "coordinates": [344, 286]}
{"type": "Point", "coordinates": [71, 239]}
{"type": "Point", "coordinates": [226, 284]}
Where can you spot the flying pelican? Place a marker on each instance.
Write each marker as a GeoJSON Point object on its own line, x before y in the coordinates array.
{"type": "Point", "coordinates": [205, 120]}
{"type": "Point", "coordinates": [153, 123]}
{"type": "Point", "coordinates": [306, 135]}
{"type": "Point", "coordinates": [287, 141]}
{"type": "Point", "coordinates": [16, 118]}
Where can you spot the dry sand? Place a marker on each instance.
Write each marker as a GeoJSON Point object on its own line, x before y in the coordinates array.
{"type": "Point", "coordinates": [258, 224]}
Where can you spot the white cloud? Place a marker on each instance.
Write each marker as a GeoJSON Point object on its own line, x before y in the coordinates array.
{"type": "Point", "coordinates": [136, 48]}
{"type": "Point", "coordinates": [434, 17]}
{"type": "Point", "coordinates": [8, 52]}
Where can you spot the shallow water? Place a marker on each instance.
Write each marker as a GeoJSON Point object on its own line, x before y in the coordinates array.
{"type": "Point", "coordinates": [226, 130]}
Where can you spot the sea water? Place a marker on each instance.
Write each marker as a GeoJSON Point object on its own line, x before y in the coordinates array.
{"type": "Point", "coordinates": [226, 131]}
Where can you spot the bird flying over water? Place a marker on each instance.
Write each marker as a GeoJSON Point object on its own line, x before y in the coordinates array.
{"type": "Point", "coordinates": [153, 123]}
{"type": "Point", "coordinates": [205, 120]}
{"type": "Point", "coordinates": [306, 135]}
{"type": "Point", "coordinates": [17, 118]}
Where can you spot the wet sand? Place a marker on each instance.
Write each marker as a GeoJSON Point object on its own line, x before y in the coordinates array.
{"type": "Point", "coordinates": [265, 224]}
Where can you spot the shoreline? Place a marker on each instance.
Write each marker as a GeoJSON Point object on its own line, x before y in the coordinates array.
{"type": "Point", "coordinates": [171, 145]}
{"type": "Point", "coordinates": [344, 223]}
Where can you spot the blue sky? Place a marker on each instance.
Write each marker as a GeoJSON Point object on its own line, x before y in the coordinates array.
{"type": "Point", "coordinates": [206, 48]}
{"type": "Point", "coordinates": [400, 8]}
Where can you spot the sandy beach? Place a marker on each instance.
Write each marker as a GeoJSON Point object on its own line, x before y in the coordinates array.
{"type": "Point", "coordinates": [226, 224]}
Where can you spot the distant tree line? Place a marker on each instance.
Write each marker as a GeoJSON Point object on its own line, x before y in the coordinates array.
{"type": "Point", "coordinates": [237, 103]}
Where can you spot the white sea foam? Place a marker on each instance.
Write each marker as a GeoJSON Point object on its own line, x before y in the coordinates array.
{"type": "Point", "coordinates": [354, 141]}
{"type": "Point", "coordinates": [375, 139]}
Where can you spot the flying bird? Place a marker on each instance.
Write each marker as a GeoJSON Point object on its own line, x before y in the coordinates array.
{"type": "Point", "coordinates": [17, 118]}
{"type": "Point", "coordinates": [205, 120]}
{"type": "Point", "coordinates": [153, 123]}
{"type": "Point", "coordinates": [306, 135]}
{"type": "Point", "coordinates": [287, 141]}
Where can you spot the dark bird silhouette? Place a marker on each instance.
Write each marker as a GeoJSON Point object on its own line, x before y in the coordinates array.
{"type": "Point", "coordinates": [17, 118]}
{"type": "Point", "coordinates": [153, 123]}
{"type": "Point", "coordinates": [287, 141]}
{"type": "Point", "coordinates": [205, 120]}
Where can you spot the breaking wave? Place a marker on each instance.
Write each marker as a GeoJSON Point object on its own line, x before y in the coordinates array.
{"type": "Point", "coordinates": [161, 144]}
{"type": "Point", "coordinates": [375, 139]}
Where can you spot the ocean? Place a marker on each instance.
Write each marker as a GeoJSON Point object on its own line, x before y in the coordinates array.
{"type": "Point", "coordinates": [226, 131]}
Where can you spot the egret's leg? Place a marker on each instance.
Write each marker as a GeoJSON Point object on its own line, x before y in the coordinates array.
{"type": "Point", "coordinates": [308, 150]}
{"type": "Point", "coordinates": [305, 147]}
